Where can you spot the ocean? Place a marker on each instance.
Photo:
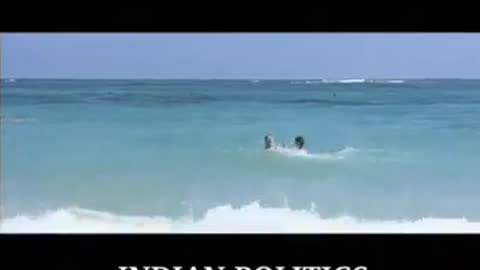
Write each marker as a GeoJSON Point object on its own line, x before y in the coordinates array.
{"type": "Point", "coordinates": [175, 156]}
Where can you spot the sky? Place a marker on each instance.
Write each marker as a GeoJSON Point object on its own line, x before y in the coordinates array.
{"type": "Point", "coordinates": [235, 55]}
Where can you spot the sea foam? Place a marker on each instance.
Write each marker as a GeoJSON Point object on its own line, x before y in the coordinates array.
{"type": "Point", "coordinates": [344, 81]}
{"type": "Point", "coordinates": [251, 218]}
{"type": "Point", "coordinates": [294, 152]}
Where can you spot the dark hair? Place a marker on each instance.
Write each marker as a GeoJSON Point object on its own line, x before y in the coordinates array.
{"type": "Point", "coordinates": [299, 141]}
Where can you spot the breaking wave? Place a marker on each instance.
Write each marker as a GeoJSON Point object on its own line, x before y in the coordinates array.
{"type": "Point", "coordinates": [345, 81]}
{"type": "Point", "coordinates": [334, 155]}
{"type": "Point", "coordinates": [251, 218]}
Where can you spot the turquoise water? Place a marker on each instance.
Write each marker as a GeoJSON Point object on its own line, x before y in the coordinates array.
{"type": "Point", "coordinates": [377, 150]}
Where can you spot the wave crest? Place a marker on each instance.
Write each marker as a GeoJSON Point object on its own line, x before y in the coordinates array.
{"type": "Point", "coordinates": [345, 81]}
{"type": "Point", "coordinates": [251, 218]}
{"type": "Point", "coordinates": [293, 152]}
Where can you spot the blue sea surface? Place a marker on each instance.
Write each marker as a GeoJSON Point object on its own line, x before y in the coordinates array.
{"type": "Point", "coordinates": [376, 150]}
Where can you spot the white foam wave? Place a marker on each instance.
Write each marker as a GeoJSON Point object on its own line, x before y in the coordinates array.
{"type": "Point", "coordinates": [294, 152]}
{"type": "Point", "coordinates": [352, 81]}
{"type": "Point", "coordinates": [395, 81]}
{"type": "Point", "coordinates": [344, 81]}
{"type": "Point", "coordinates": [313, 82]}
{"type": "Point", "coordinates": [251, 218]}
{"type": "Point", "coordinates": [18, 120]}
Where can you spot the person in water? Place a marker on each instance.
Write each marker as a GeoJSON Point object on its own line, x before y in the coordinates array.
{"type": "Point", "coordinates": [299, 142]}
{"type": "Point", "coordinates": [268, 141]}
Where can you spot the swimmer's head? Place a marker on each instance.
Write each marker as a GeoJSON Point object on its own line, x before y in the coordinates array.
{"type": "Point", "coordinates": [299, 142]}
{"type": "Point", "coordinates": [268, 141]}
